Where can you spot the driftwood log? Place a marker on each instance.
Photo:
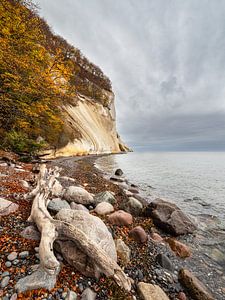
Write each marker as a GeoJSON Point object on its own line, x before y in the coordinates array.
{"type": "Point", "coordinates": [52, 230]}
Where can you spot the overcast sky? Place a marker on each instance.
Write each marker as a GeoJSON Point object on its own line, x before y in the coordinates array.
{"type": "Point", "coordinates": [166, 61]}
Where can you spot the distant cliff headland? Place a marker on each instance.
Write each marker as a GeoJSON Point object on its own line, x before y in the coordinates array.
{"type": "Point", "coordinates": [52, 98]}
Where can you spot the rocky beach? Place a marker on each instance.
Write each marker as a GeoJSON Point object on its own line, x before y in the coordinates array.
{"type": "Point", "coordinates": [157, 251]}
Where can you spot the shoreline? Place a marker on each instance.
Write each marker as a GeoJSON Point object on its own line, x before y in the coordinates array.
{"type": "Point", "coordinates": [142, 267]}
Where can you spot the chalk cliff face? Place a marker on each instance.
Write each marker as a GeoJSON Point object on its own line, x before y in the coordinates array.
{"type": "Point", "coordinates": [95, 126]}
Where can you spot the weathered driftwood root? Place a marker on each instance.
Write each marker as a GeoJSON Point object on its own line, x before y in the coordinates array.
{"type": "Point", "coordinates": [52, 229]}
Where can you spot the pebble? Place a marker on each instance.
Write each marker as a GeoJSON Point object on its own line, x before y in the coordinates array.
{"type": "Point", "coordinates": [15, 262]}
{"type": "Point", "coordinates": [36, 249]}
{"type": "Point", "coordinates": [24, 254]}
{"type": "Point", "coordinates": [164, 262]}
{"type": "Point", "coordinates": [4, 274]}
{"type": "Point", "coordinates": [13, 297]}
{"type": "Point", "coordinates": [8, 264]}
{"type": "Point", "coordinates": [5, 282]}
{"type": "Point", "coordinates": [12, 256]}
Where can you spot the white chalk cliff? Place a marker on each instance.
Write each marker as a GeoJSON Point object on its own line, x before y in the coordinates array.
{"type": "Point", "coordinates": [96, 125]}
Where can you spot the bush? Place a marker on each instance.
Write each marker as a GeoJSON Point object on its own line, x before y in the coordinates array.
{"type": "Point", "coordinates": [19, 142]}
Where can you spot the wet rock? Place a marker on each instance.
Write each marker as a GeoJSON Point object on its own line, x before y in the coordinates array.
{"type": "Point", "coordinates": [57, 189]}
{"type": "Point", "coordinates": [104, 208]}
{"type": "Point", "coordinates": [76, 206]}
{"type": "Point", "coordinates": [120, 218]}
{"type": "Point", "coordinates": [164, 262]}
{"type": "Point", "coordinates": [7, 207]}
{"type": "Point", "coordinates": [196, 288]}
{"type": "Point", "coordinates": [119, 172]}
{"type": "Point", "coordinates": [132, 206]}
{"type": "Point", "coordinates": [88, 294]}
{"type": "Point", "coordinates": [78, 194]}
{"type": "Point", "coordinates": [24, 254]}
{"type": "Point", "coordinates": [57, 204]}
{"type": "Point", "coordinates": [37, 280]}
{"type": "Point", "coordinates": [149, 291]}
{"type": "Point", "coordinates": [105, 197]}
{"type": "Point", "coordinates": [71, 295]}
{"type": "Point", "coordinates": [156, 237]}
{"type": "Point", "coordinates": [179, 248]}
{"type": "Point", "coordinates": [133, 190]}
{"type": "Point", "coordinates": [5, 281]}
{"type": "Point", "coordinates": [138, 234]}
{"type": "Point", "coordinates": [31, 233]}
{"type": "Point", "coordinates": [123, 251]}
{"type": "Point", "coordinates": [117, 178]}
{"type": "Point", "coordinates": [12, 256]}
{"type": "Point", "coordinates": [169, 217]}
{"type": "Point", "coordinates": [95, 229]}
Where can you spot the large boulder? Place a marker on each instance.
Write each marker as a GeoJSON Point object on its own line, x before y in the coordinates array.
{"type": "Point", "coordinates": [104, 197]}
{"type": "Point", "coordinates": [149, 291]}
{"type": "Point", "coordinates": [132, 206]}
{"type": "Point", "coordinates": [7, 207]}
{"type": "Point", "coordinates": [78, 194]}
{"type": "Point", "coordinates": [96, 230]}
{"type": "Point", "coordinates": [179, 248]}
{"type": "Point", "coordinates": [169, 217]}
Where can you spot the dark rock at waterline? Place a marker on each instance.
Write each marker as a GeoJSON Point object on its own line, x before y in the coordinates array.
{"type": "Point", "coordinates": [119, 172]}
{"type": "Point", "coordinates": [164, 262]}
{"type": "Point", "coordinates": [169, 217]}
{"type": "Point", "coordinates": [196, 288]}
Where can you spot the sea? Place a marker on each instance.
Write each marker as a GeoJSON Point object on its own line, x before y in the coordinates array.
{"type": "Point", "coordinates": [194, 181]}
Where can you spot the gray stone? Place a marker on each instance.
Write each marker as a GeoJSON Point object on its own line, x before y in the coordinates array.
{"type": "Point", "coordinates": [164, 262]}
{"type": "Point", "coordinates": [31, 233]}
{"type": "Point", "coordinates": [119, 172]}
{"type": "Point", "coordinates": [132, 206]}
{"type": "Point", "coordinates": [14, 296]}
{"type": "Point", "coordinates": [95, 229]}
{"type": "Point", "coordinates": [37, 280]}
{"type": "Point", "coordinates": [6, 273]}
{"type": "Point", "coordinates": [104, 208]}
{"type": "Point", "coordinates": [71, 296]}
{"type": "Point", "coordinates": [7, 207]}
{"type": "Point", "coordinates": [12, 256]}
{"type": "Point", "coordinates": [149, 291]}
{"type": "Point", "coordinates": [76, 206]}
{"type": "Point", "coordinates": [15, 262]}
{"type": "Point", "coordinates": [78, 194]}
{"type": "Point", "coordinates": [88, 294]}
{"type": "Point", "coordinates": [169, 217]}
{"type": "Point", "coordinates": [117, 178]}
{"type": "Point", "coordinates": [24, 254]}
{"type": "Point", "coordinates": [5, 281]}
{"type": "Point", "coordinates": [105, 197]}
{"type": "Point", "coordinates": [57, 204]}
{"type": "Point", "coordinates": [8, 264]}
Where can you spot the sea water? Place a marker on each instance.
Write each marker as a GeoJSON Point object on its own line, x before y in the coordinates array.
{"type": "Point", "coordinates": [195, 181]}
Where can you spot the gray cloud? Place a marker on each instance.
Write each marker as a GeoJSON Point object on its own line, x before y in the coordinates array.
{"type": "Point", "coordinates": [166, 60]}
